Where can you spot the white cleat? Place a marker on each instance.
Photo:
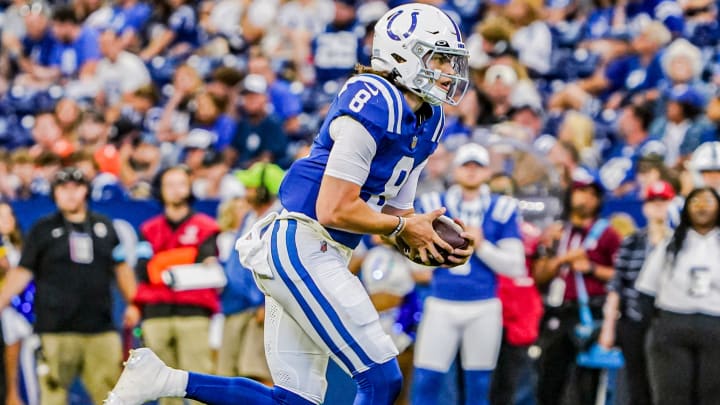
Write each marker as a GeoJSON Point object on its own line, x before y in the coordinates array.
{"type": "Point", "coordinates": [146, 378]}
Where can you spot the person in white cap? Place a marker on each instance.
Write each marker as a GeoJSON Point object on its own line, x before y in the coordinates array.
{"type": "Point", "coordinates": [463, 312]}
{"type": "Point", "coordinates": [705, 165]}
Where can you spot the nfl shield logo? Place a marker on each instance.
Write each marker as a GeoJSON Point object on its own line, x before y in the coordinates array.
{"type": "Point", "coordinates": [323, 247]}
{"type": "Point", "coordinates": [414, 142]}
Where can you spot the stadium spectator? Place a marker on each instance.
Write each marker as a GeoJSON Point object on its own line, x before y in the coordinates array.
{"type": "Point", "coordinates": [76, 53]}
{"type": "Point", "coordinates": [531, 38]}
{"type": "Point", "coordinates": [33, 49]}
{"type": "Point", "coordinates": [680, 275]}
{"type": "Point", "coordinates": [74, 256]}
{"type": "Point", "coordinates": [139, 168]}
{"type": "Point", "coordinates": [214, 180]}
{"type": "Point", "coordinates": [627, 312]}
{"type": "Point", "coordinates": [119, 72]}
{"type": "Point", "coordinates": [683, 127]}
{"type": "Point", "coordinates": [259, 135]}
{"type": "Point", "coordinates": [178, 30]}
{"type": "Point", "coordinates": [103, 186]}
{"type": "Point", "coordinates": [286, 101]}
{"type": "Point", "coordinates": [337, 49]}
{"type": "Point", "coordinates": [585, 245]}
{"type": "Point", "coordinates": [129, 19]}
{"type": "Point", "coordinates": [210, 115]}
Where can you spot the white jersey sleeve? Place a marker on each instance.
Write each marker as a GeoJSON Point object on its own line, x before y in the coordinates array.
{"type": "Point", "coordinates": [353, 151]}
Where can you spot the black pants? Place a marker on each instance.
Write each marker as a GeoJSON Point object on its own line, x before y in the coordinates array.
{"type": "Point", "coordinates": [512, 362]}
{"type": "Point", "coordinates": [631, 337]}
{"type": "Point", "coordinates": [560, 381]}
{"type": "Point", "coordinates": [684, 359]}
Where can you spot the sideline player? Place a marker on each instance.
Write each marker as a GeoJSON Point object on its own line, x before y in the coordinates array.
{"type": "Point", "coordinates": [463, 312]}
{"type": "Point", "coordinates": [360, 178]}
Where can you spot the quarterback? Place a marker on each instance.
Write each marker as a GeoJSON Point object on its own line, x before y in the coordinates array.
{"type": "Point", "coordinates": [360, 178]}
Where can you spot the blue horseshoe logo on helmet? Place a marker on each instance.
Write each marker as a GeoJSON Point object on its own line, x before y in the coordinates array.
{"type": "Point", "coordinates": [410, 30]}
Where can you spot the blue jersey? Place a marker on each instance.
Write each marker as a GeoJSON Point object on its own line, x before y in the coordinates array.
{"type": "Point", "coordinates": [71, 57]}
{"type": "Point", "coordinates": [497, 216]}
{"type": "Point", "coordinates": [402, 145]}
{"type": "Point", "coordinates": [133, 18]}
{"type": "Point", "coordinates": [336, 51]}
{"type": "Point", "coordinates": [39, 50]}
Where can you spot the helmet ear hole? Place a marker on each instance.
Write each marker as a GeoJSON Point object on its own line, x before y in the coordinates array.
{"type": "Point", "coordinates": [398, 58]}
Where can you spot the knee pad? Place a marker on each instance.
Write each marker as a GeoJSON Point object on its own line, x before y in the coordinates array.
{"type": "Point", "coordinates": [379, 385]}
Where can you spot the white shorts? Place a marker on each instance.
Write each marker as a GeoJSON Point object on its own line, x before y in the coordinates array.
{"type": "Point", "coordinates": [318, 309]}
{"type": "Point", "coordinates": [473, 327]}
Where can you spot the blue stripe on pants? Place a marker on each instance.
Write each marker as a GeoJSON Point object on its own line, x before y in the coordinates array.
{"type": "Point", "coordinates": [317, 294]}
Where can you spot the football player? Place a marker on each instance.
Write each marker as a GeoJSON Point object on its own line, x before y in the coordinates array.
{"type": "Point", "coordinates": [463, 312]}
{"type": "Point", "coordinates": [360, 178]}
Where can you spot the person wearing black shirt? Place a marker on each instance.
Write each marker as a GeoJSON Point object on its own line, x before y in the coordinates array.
{"type": "Point", "coordinates": [74, 255]}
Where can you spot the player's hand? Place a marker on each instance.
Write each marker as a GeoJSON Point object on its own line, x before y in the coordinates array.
{"type": "Point", "coordinates": [131, 317]}
{"type": "Point", "coordinates": [420, 236]}
{"type": "Point", "coordinates": [461, 256]}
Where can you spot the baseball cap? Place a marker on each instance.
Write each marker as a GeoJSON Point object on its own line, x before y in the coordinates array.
{"type": "Point", "coordinates": [582, 177]}
{"type": "Point", "coordinates": [685, 94]}
{"type": "Point", "coordinates": [69, 175]}
{"type": "Point", "coordinates": [659, 190]}
{"type": "Point", "coordinates": [471, 152]}
{"type": "Point", "coordinates": [254, 83]}
{"type": "Point", "coordinates": [268, 174]}
{"type": "Point", "coordinates": [706, 157]}
{"type": "Point", "coordinates": [504, 73]}
{"type": "Point", "coordinates": [199, 138]}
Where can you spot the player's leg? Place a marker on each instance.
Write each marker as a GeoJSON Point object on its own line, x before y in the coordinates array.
{"type": "Point", "coordinates": [298, 368]}
{"type": "Point", "coordinates": [480, 347]}
{"type": "Point", "coordinates": [314, 286]}
{"type": "Point", "coordinates": [436, 346]}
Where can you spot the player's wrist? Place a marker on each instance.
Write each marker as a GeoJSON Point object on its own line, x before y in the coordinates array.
{"type": "Point", "coordinates": [398, 228]}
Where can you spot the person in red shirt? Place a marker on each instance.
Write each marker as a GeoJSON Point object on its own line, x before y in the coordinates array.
{"type": "Point", "coordinates": [582, 247]}
{"type": "Point", "coordinates": [176, 323]}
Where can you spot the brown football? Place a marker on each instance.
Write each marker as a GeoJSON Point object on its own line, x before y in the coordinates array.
{"type": "Point", "coordinates": [449, 231]}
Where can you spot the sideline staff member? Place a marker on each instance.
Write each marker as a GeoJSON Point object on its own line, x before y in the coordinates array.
{"type": "Point", "coordinates": [70, 254]}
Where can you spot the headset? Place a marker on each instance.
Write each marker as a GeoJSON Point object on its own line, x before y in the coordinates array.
{"type": "Point", "coordinates": [263, 195]}
{"type": "Point", "coordinates": [66, 175]}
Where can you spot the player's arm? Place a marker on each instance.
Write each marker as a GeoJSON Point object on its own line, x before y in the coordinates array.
{"type": "Point", "coordinates": [507, 255]}
{"type": "Point", "coordinates": [339, 204]}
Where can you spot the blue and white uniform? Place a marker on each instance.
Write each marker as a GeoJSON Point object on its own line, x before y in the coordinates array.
{"type": "Point", "coordinates": [316, 309]}
{"type": "Point", "coordinates": [463, 312]}
{"type": "Point", "coordinates": [399, 149]}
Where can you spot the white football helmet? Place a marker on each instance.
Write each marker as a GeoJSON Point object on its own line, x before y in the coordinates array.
{"type": "Point", "coordinates": [407, 38]}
